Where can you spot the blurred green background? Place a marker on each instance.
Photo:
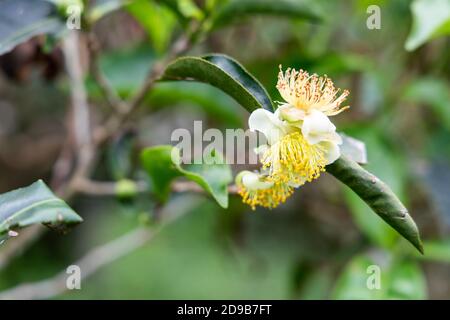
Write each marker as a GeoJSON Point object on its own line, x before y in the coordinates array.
{"type": "Point", "coordinates": [316, 246]}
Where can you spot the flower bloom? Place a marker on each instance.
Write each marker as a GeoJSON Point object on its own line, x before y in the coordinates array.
{"type": "Point", "coordinates": [301, 139]}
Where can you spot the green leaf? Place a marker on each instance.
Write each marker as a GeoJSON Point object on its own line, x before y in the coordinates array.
{"type": "Point", "coordinates": [224, 73]}
{"type": "Point", "coordinates": [378, 196]}
{"type": "Point", "coordinates": [162, 170]}
{"type": "Point", "coordinates": [431, 19]}
{"type": "Point", "coordinates": [238, 9]}
{"type": "Point", "coordinates": [383, 164]}
{"type": "Point", "coordinates": [31, 205]}
{"type": "Point", "coordinates": [22, 19]}
{"type": "Point", "coordinates": [157, 21]}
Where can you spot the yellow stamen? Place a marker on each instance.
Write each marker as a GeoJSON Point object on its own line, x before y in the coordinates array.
{"type": "Point", "coordinates": [268, 198]}
{"type": "Point", "coordinates": [308, 92]}
{"type": "Point", "coordinates": [293, 160]}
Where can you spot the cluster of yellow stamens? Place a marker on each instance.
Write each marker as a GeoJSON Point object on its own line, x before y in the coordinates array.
{"type": "Point", "coordinates": [304, 143]}
{"type": "Point", "coordinates": [293, 160]}
{"type": "Point", "coordinates": [269, 198]}
{"type": "Point", "coordinates": [308, 92]}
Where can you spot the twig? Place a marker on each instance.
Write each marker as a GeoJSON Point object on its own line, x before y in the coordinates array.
{"type": "Point", "coordinates": [109, 188]}
{"type": "Point", "coordinates": [112, 98]}
{"type": "Point", "coordinates": [80, 107]}
{"type": "Point", "coordinates": [104, 188]}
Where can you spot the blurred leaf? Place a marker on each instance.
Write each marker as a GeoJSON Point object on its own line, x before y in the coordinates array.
{"type": "Point", "coordinates": [157, 21]}
{"type": "Point", "coordinates": [119, 155]}
{"type": "Point", "coordinates": [354, 149]}
{"type": "Point", "coordinates": [436, 178]}
{"type": "Point", "coordinates": [224, 73]}
{"type": "Point", "coordinates": [336, 63]}
{"type": "Point", "coordinates": [31, 205]}
{"type": "Point", "coordinates": [100, 8]}
{"type": "Point", "coordinates": [378, 196]}
{"type": "Point", "coordinates": [238, 9]}
{"type": "Point", "coordinates": [401, 279]}
{"type": "Point", "coordinates": [184, 9]}
{"type": "Point", "coordinates": [431, 19]}
{"type": "Point", "coordinates": [433, 92]}
{"type": "Point", "coordinates": [352, 282]}
{"type": "Point", "coordinates": [437, 250]}
{"type": "Point", "coordinates": [213, 178]}
{"type": "Point", "coordinates": [22, 19]}
{"type": "Point", "coordinates": [189, 9]}
{"type": "Point", "coordinates": [406, 281]}
{"type": "Point", "coordinates": [118, 65]}
{"type": "Point", "coordinates": [213, 102]}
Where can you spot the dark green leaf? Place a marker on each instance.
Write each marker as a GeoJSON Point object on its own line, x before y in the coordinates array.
{"type": "Point", "coordinates": [213, 178]}
{"type": "Point", "coordinates": [31, 205]}
{"type": "Point", "coordinates": [385, 165]}
{"type": "Point", "coordinates": [238, 9]}
{"type": "Point", "coordinates": [22, 19]}
{"type": "Point", "coordinates": [224, 73]}
{"type": "Point", "coordinates": [378, 196]}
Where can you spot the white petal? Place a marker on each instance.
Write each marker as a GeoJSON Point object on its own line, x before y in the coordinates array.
{"type": "Point", "coordinates": [335, 138]}
{"type": "Point", "coordinates": [252, 181]}
{"type": "Point", "coordinates": [317, 127]}
{"type": "Point", "coordinates": [267, 123]}
{"type": "Point", "coordinates": [291, 113]}
{"type": "Point", "coordinates": [333, 152]}
{"type": "Point", "coordinates": [261, 149]}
